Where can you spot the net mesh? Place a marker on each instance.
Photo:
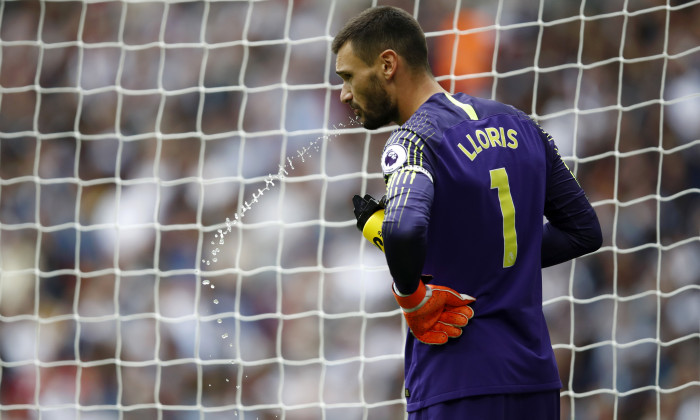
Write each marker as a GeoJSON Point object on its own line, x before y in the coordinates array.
{"type": "Point", "coordinates": [176, 229]}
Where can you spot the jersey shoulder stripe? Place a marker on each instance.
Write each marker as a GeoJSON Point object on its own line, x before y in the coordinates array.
{"type": "Point", "coordinates": [468, 109]}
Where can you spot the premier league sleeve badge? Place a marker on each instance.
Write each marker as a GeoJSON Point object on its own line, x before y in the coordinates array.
{"type": "Point", "coordinates": [393, 158]}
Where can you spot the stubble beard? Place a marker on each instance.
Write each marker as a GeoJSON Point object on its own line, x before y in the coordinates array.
{"type": "Point", "coordinates": [380, 110]}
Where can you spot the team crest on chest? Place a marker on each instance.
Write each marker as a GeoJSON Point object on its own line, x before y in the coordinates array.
{"type": "Point", "coordinates": [393, 158]}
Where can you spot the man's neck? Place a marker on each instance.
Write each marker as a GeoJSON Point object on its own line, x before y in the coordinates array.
{"type": "Point", "coordinates": [419, 90]}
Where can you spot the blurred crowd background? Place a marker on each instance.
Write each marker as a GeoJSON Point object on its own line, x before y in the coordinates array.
{"type": "Point", "coordinates": [176, 230]}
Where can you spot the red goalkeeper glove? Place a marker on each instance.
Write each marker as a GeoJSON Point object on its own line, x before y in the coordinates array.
{"type": "Point", "coordinates": [435, 313]}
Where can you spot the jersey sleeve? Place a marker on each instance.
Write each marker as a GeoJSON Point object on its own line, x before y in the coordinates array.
{"type": "Point", "coordinates": [409, 196]}
{"type": "Point", "coordinates": [572, 227]}
{"type": "Point", "coordinates": [404, 151]}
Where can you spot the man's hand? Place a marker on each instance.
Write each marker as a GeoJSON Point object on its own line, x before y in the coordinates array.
{"type": "Point", "coordinates": [365, 207]}
{"type": "Point", "coordinates": [370, 216]}
{"type": "Point", "coordinates": [435, 313]}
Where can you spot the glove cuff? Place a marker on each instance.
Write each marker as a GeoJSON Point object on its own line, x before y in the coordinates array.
{"type": "Point", "coordinates": [415, 300]}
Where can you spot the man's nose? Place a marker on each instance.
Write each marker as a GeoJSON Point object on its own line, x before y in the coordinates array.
{"type": "Point", "coordinates": [345, 95]}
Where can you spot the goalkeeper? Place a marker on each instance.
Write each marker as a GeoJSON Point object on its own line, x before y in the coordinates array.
{"type": "Point", "coordinates": [469, 181]}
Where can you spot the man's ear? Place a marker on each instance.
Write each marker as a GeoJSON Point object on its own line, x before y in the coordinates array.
{"type": "Point", "coordinates": [389, 61]}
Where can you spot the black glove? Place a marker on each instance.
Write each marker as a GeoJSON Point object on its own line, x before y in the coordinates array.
{"type": "Point", "coordinates": [366, 207]}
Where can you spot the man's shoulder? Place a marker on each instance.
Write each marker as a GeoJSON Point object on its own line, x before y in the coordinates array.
{"type": "Point", "coordinates": [485, 107]}
{"type": "Point", "coordinates": [430, 119]}
{"type": "Point", "coordinates": [440, 113]}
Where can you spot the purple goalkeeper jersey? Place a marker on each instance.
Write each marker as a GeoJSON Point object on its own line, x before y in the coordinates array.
{"type": "Point", "coordinates": [484, 174]}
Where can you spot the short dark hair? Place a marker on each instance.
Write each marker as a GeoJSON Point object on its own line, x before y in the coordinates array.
{"type": "Point", "coordinates": [380, 28]}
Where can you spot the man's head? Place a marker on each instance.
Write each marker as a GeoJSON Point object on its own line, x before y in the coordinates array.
{"type": "Point", "coordinates": [370, 48]}
{"type": "Point", "coordinates": [385, 28]}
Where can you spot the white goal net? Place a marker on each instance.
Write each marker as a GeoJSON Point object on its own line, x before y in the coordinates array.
{"type": "Point", "coordinates": [177, 238]}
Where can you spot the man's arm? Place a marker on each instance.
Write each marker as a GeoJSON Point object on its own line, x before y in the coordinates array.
{"type": "Point", "coordinates": [572, 227]}
{"type": "Point", "coordinates": [405, 228]}
{"type": "Point", "coordinates": [433, 313]}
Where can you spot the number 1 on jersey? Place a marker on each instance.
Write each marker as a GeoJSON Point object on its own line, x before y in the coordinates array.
{"type": "Point", "coordinates": [499, 180]}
